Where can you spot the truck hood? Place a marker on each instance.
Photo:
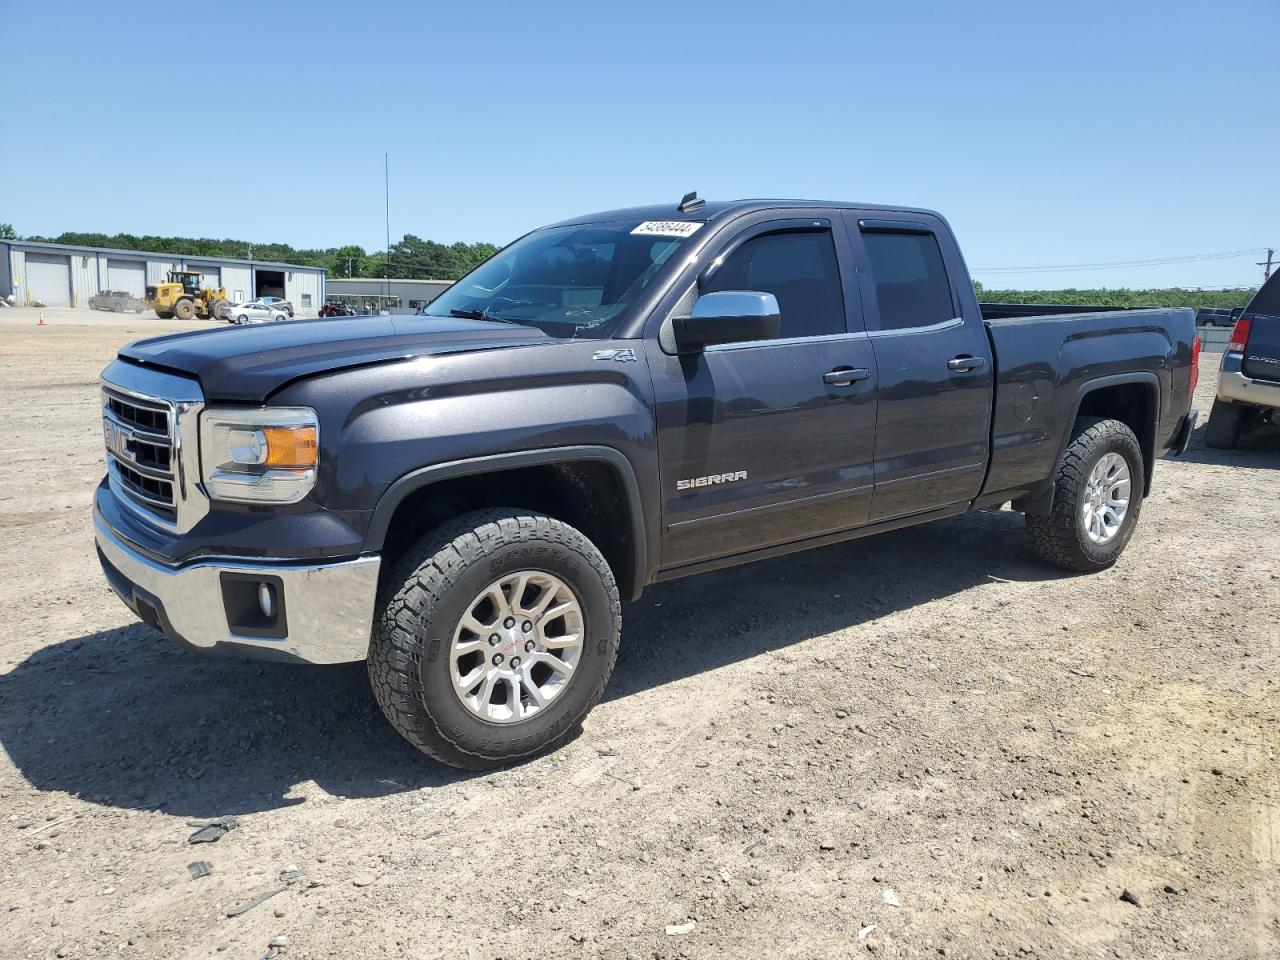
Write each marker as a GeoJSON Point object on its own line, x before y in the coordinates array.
{"type": "Point", "coordinates": [249, 363]}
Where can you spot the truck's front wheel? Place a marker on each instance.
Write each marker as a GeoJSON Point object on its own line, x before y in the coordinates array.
{"type": "Point", "coordinates": [494, 637]}
{"type": "Point", "coordinates": [1096, 499]}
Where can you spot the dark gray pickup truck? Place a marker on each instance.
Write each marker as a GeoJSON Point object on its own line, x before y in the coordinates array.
{"type": "Point", "coordinates": [464, 497]}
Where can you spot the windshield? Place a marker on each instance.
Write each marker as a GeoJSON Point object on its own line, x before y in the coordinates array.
{"type": "Point", "coordinates": [567, 281]}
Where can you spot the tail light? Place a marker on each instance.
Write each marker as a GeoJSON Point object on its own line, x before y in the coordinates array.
{"type": "Point", "coordinates": [1195, 364]}
{"type": "Point", "coordinates": [1239, 335]}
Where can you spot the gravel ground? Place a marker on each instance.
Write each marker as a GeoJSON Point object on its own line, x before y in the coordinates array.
{"type": "Point", "coordinates": [923, 744]}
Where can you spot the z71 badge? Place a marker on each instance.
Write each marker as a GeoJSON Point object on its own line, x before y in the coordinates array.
{"type": "Point", "coordinates": [711, 480]}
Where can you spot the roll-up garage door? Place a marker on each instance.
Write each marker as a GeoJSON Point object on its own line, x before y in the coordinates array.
{"type": "Point", "coordinates": [49, 278]}
{"type": "Point", "coordinates": [127, 275]}
{"type": "Point", "coordinates": [210, 277]}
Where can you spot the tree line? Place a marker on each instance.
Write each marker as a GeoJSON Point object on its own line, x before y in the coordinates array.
{"type": "Point", "coordinates": [411, 259]}
{"type": "Point", "coordinates": [1122, 297]}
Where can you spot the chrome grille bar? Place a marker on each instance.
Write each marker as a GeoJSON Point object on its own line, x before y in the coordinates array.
{"type": "Point", "coordinates": [139, 435]}
{"type": "Point", "coordinates": [151, 425]}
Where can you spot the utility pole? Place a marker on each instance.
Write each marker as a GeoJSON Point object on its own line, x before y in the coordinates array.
{"type": "Point", "coordinates": [386, 263]}
{"type": "Point", "coordinates": [1266, 265]}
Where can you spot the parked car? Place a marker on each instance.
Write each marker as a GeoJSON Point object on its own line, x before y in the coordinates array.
{"type": "Point", "coordinates": [1217, 316]}
{"type": "Point", "coordinates": [336, 310]}
{"type": "Point", "coordinates": [1249, 375]}
{"type": "Point", "coordinates": [255, 311]}
{"type": "Point", "coordinates": [278, 303]}
{"type": "Point", "coordinates": [116, 301]}
{"type": "Point", "coordinates": [464, 498]}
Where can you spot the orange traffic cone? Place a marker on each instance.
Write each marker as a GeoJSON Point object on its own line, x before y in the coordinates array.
{"type": "Point", "coordinates": [41, 322]}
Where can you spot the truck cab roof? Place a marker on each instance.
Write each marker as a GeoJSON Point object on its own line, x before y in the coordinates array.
{"type": "Point", "coordinates": [715, 210]}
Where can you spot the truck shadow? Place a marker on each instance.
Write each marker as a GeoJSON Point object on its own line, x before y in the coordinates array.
{"type": "Point", "coordinates": [686, 627]}
{"type": "Point", "coordinates": [124, 718]}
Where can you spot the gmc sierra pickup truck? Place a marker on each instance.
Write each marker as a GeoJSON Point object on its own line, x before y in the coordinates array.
{"type": "Point", "coordinates": [462, 498]}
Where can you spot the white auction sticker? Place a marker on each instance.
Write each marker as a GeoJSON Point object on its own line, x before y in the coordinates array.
{"type": "Point", "coordinates": [667, 228]}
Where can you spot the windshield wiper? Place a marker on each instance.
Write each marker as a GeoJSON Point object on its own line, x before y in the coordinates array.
{"type": "Point", "coordinates": [477, 315]}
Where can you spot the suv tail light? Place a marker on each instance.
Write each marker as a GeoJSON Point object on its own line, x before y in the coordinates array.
{"type": "Point", "coordinates": [1195, 364]}
{"type": "Point", "coordinates": [1239, 335]}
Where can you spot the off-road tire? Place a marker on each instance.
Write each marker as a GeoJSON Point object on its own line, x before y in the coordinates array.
{"type": "Point", "coordinates": [1059, 537]}
{"type": "Point", "coordinates": [421, 601]}
{"type": "Point", "coordinates": [184, 309]}
{"type": "Point", "coordinates": [1222, 432]}
{"type": "Point", "coordinates": [164, 314]}
{"type": "Point", "coordinates": [218, 310]}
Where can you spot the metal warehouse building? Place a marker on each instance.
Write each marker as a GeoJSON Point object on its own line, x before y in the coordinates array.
{"type": "Point", "coordinates": [67, 276]}
{"type": "Point", "coordinates": [366, 295]}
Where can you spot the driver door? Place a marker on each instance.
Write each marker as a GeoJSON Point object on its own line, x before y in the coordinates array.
{"type": "Point", "coordinates": [769, 442]}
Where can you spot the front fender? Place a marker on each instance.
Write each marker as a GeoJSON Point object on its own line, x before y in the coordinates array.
{"type": "Point", "coordinates": [389, 429]}
{"type": "Point", "coordinates": [411, 482]}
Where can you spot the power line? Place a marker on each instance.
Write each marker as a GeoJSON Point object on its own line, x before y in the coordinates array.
{"type": "Point", "coordinates": [1123, 264]}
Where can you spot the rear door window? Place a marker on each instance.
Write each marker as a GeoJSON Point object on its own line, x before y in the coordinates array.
{"type": "Point", "coordinates": [910, 278]}
{"type": "Point", "coordinates": [1267, 300]}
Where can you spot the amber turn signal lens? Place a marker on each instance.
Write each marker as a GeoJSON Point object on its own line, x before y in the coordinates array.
{"type": "Point", "coordinates": [292, 448]}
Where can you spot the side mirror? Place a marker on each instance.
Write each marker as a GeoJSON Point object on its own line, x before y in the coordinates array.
{"type": "Point", "coordinates": [728, 316]}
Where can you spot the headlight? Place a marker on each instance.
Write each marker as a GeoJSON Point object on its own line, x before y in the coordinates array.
{"type": "Point", "coordinates": [267, 455]}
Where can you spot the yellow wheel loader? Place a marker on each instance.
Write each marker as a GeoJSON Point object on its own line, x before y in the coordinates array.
{"type": "Point", "coordinates": [183, 297]}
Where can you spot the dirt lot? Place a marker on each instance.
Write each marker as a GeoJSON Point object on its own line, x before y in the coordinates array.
{"type": "Point", "coordinates": [924, 744]}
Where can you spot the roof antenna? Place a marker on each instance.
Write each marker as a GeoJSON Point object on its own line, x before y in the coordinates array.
{"type": "Point", "coordinates": [690, 202]}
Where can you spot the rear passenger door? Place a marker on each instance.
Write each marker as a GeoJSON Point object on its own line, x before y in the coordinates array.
{"type": "Point", "coordinates": [770, 441]}
{"type": "Point", "coordinates": [934, 405]}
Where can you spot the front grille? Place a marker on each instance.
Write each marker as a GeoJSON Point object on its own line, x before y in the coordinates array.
{"type": "Point", "coordinates": [139, 434]}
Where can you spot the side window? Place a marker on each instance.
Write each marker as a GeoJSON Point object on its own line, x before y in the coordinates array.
{"type": "Point", "coordinates": [797, 267]}
{"type": "Point", "coordinates": [910, 279]}
{"type": "Point", "coordinates": [1267, 300]}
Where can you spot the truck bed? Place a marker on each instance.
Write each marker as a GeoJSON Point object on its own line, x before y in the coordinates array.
{"type": "Point", "coordinates": [1001, 311]}
{"type": "Point", "coordinates": [1043, 360]}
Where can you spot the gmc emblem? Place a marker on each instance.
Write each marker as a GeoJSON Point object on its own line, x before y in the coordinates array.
{"type": "Point", "coordinates": [118, 441]}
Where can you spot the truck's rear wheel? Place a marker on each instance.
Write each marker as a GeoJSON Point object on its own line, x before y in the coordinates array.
{"type": "Point", "coordinates": [164, 314]}
{"type": "Point", "coordinates": [1096, 499]}
{"type": "Point", "coordinates": [184, 309]}
{"type": "Point", "coordinates": [1222, 432]}
{"type": "Point", "coordinates": [494, 637]}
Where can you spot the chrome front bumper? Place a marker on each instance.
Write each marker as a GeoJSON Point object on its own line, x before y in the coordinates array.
{"type": "Point", "coordinates": [325, 609]}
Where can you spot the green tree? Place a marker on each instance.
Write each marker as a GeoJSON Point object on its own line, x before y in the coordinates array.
{"type": "Point", "coordinates": [7, 232]}
{"type": "Point", "coordinates": [374, 265]}
{"type": "Point", "coordinates": [346, 261]}
{"type": "Point", "coordinates": [1122, 297]}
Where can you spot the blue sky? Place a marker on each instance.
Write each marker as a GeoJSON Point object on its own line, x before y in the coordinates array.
{"type": "Point", "coordinates": [1048, 134]}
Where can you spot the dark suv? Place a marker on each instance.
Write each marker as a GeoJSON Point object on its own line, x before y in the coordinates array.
{"type": "Point", "coordinates": [1249, 379]}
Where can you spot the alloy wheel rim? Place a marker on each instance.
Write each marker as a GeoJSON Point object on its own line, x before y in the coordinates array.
{"type": "Point", "coordinates": [1106, 499]}
{"type": "Point", "coordinates": [516, 647]}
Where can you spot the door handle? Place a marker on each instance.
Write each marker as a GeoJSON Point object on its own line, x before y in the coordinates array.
{"type": "Point", "coordinates": [964, 364]}
{"type": "Point", "coordinates": [843, 376]}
